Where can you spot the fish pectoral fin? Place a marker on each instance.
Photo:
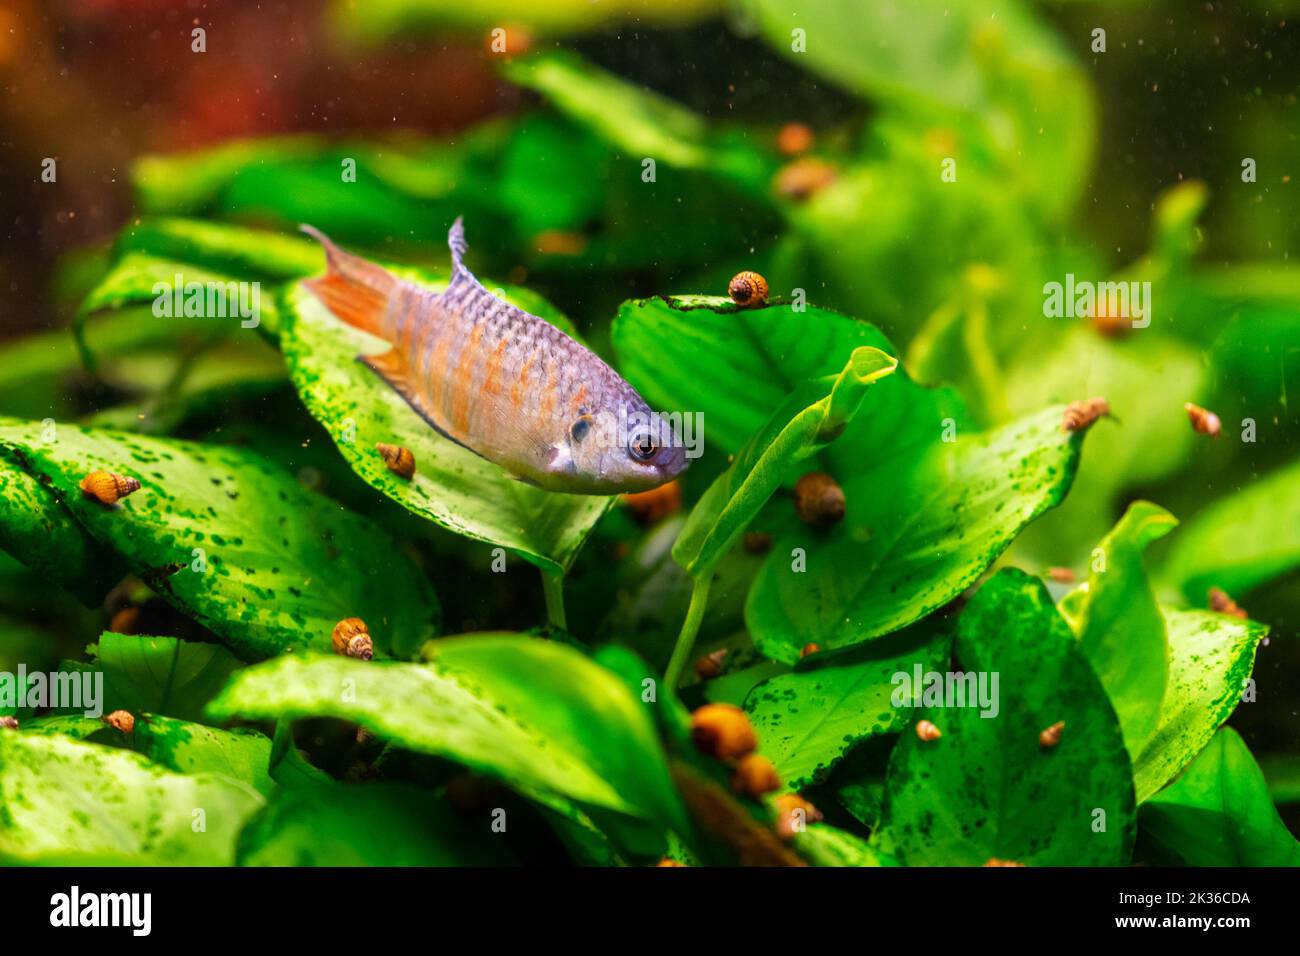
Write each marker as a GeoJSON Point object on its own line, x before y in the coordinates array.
{"type": "Point", "coordinates": [392, 368]}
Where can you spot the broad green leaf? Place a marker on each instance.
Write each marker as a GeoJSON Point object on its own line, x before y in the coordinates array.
{"type": "Point", "coordinates": [734, 366]}
{"type": "Point", "coordinates": [640, 123]}
{"type": "Point", "coordinates": [161, 675]}
{"type": "Point", "coordinates": [67, 801]}
{"type": "Point", "coordinates": [452, 486]}
{"type": "Point", "coordinates": [814, 416]}
{"type": "Point", "coordinates": [925, 517]}
{"type": "Point", "coordinates": [808, 719]}
{"type": "Point", "coordinates": [539, 715]}
{"type": "Point", "coordinates": [365, 825]}
{"type": "Point", "coordinates": [41, 533]}
{"type": "Point", "coordinates": [238, 251]}
{"type": "Point", "coordinates": [230, 539]}
{"type": "Point", "coordinates": [186, 747]}
{"type": "Point", "coordinates": [1218, 812]}
{"type": "Point", "coordinates": [1210, 660]}
{"type": "Point", "coordinates": [987, 788]}
{"type": "Point", "coordinates": [76, 726]}
{"type": "Point", "coordinates": [1120, 627]}
{"type": "Point", "coordinates": [1239, 541]}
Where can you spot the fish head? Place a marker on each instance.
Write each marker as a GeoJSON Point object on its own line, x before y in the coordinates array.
{"type": "Point", "coordinates": [626, 449]}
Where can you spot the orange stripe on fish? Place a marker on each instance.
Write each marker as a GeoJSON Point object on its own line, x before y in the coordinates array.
{"type": "Point", "coordinates": [463, 379]}
{"type": "Point", "coordinates": [490, 384]}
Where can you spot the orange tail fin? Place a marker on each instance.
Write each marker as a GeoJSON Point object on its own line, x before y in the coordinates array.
{"type": "Point", "coordinates": [352, 288]}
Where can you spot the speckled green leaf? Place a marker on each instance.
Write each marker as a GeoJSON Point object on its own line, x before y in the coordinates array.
{"type": "Point", "coordinates": [283, 565]}
{"type": "Point", "coordinates": [814, 415]}
{"type": "Point", "coordinates": [1120, 627]}
{"type": "Point", "coordinates": [366, 825]}
{"type": "Point", "coordinates": [539, 715]}
{"type": "Point", "coordinates": [186, 747]}
{"type": "Point", "coordinates": [1210, 659]}
{"type": "Point", "coordinates": [1219, 812]}
{"type": "Point", "coordinates": [41, 533]}
{"type": "Point", "coordinates": [1240, 541]}
{"type": "Point", "coordinates": [924, 518]}
{"type": "Point", "coordinates": [986, 788]}
{"type": "Point", "coordinates": [161, 675]}
{"type": "Point", "coordinates": [807, 720]}
{"type": "Point", "coordinates": [452, 486]}
{"type": "Point", "coordinates": [233, 250]}
{"type": "Point", "coordinates": [823, 845]}
{"type": "Point", "coordinates": [67, 801]}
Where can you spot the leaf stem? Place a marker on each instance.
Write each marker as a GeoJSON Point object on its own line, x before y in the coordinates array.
{"type": "Point", "coordinates": [690, 627]}
{"type": "Point", "coordinates": [553, 589]}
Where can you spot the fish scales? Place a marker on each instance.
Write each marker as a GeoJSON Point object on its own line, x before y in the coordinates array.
{"type": "Point", "coordinates": [505, 384]}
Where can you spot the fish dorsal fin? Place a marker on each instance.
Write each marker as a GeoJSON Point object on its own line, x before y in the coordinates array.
{"type": "Point", "coordinates": [456, 242]}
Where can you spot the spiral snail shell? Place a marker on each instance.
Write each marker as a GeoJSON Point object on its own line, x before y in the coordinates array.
{"type": "Point", "coordinates": [1203, 420]}
{"type": "Point", "coordinates": [399, 460]}
{"type": "Point", "coordinates": [927, 731]}
{"type": "Point", "coordinates": [747, 288]}
{"type": "Point", "coordinates": [107, 487]}
{"type": "Point", "coordinates": [351, 638]}
{"type": "Point", "coordinates": [1079, 415]}
{"type": "Point", "coordinates": [122, 720]}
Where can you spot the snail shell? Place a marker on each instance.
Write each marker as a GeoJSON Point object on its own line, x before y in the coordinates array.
{"type": "Point", "coordinates": [1223, 604]}
{"type": "Point", "coordinates": [748, 288]}
{"type": "Point", "coordinates": [710, 665]}
{"type": "Point", "coordinates": [808, 650]}
{"type": "Point", "coordinates": [1052, 735]}
{"type": "Point", "coordinates": [927, 731]}
{"type": "Point", "coordinates": [108, 488]}
{"type": "Point", "coordinates": [121, 720]}
{"type": "Point", "coordinates": [351, 638]}
{"type": "Point", "coordinates": [399, 460]}
{"type": "Point", "coordinates": [9, 723]}
{"type": "Point", "coordinates": [1203, 420]}
{"type": "Point", "coordinates": [1079, 415]}
{"type": "Point", "coordinates": [723, 731]}
{"type": "Point", "coordinates": [755, 776]}
{"type": "Point", "coordinates": [819, 500]}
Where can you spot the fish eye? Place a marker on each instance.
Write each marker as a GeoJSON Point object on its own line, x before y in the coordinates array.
{"type": "Point", "coordinates": [643, 446]}
{"type": "Point", "coordinates": [578, 431]}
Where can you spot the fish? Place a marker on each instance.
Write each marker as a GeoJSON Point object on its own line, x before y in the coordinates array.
{"type": "Point", "coordinates": [505, 384]}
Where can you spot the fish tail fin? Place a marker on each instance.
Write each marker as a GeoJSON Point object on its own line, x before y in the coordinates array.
{"type": "Point", "coordinates": [354, 289]}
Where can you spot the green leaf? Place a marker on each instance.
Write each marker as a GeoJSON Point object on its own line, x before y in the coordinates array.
{"type": "Point", "coordinates": [1219, 813]}
{"type": "Point", "coordinates": [735, 366]}
{"type": "Point", "coordinates": [823, 845]}
{"type": "Point", "coordinates": [281, 565]}
{"type": "Point", "coordinates": [813, 416]}
{"type": "Point", "coordinates": [452, 486]}
{"type": "Point", "coordinates": [1240, 541]}
{"type": "Point", "coordinates": [41, 533]}
{"type": "Point", "coordinates": [809, 719]}
{"type": "Point", "coordinates": [987, 788]}
{"type": "Point", "coordinates": [66, 801]}
{"type": "Point", "coordinates": [539, 715]}
{"type": "Point", "coordinates": [161, 675]}
{"type": "Point", "coordinates": [234, 250]}
{"type": "Point", "coordinates": [365, 825]}
{"type": "Point", "coordinates": [1120, 627]}
{"type": "Point", "coordinates": [640, 123]}
{"type": "Point", "coordinates": [186, 747]}
{"type": "Point", "coordinates": [925, 517]}
{"type": "Point", "coordinates": [1210, 660]}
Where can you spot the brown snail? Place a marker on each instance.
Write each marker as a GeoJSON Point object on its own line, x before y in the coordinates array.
{"type": "Point", "coordinates": [107, 487]}
{"type": "Point", "coordinates": [804, 177]}
{"type": "Point", "coordinates": [1223, 604]}
{"type": "Point", "coordinates": [1203, 420]}
{"type": "Point", "coordinates": [9, 723]}
{"type": "Point", "coordinates": [1079, 415]}
{"type": "Point", "coordinates": [351, 638]}
{"type": "Point", "coordinates": [794, 138]}
{"type": "Point", "coordinates": [710, 665]}
{"type": "Point", "coordinates": [723, 731]}
{"type": "Point", "coordinates": [399, 460]}
{"type": "Point", "coordinates": [927, 731]}
{"type": "Point", "coordinates": [747, 288]}
{"type": "Point", "coordinates": [808, 650]}
{"type": "Point", "coordinates": [1051, 736]}
{"type": "Point", "coordinates": [792, 813]}
{"type": "Point", "coordinates": [755, 776]}
{"type": "Point", "coordinates": [121, 720]}
{"type": "Point", "coordinates": [819, 500]}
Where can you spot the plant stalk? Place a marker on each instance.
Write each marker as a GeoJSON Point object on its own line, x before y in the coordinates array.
{"type": "Point", "coordinates": [553, 589]}
{"type": "Point", "coordinates": [690, 627]}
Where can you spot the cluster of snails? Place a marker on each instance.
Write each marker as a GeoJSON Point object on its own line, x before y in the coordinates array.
{"type": "Point", "coordinates": [1048, 738]}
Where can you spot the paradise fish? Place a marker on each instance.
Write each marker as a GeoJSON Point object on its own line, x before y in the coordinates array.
{"type": "Point", "coordinates": [507, 385]}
